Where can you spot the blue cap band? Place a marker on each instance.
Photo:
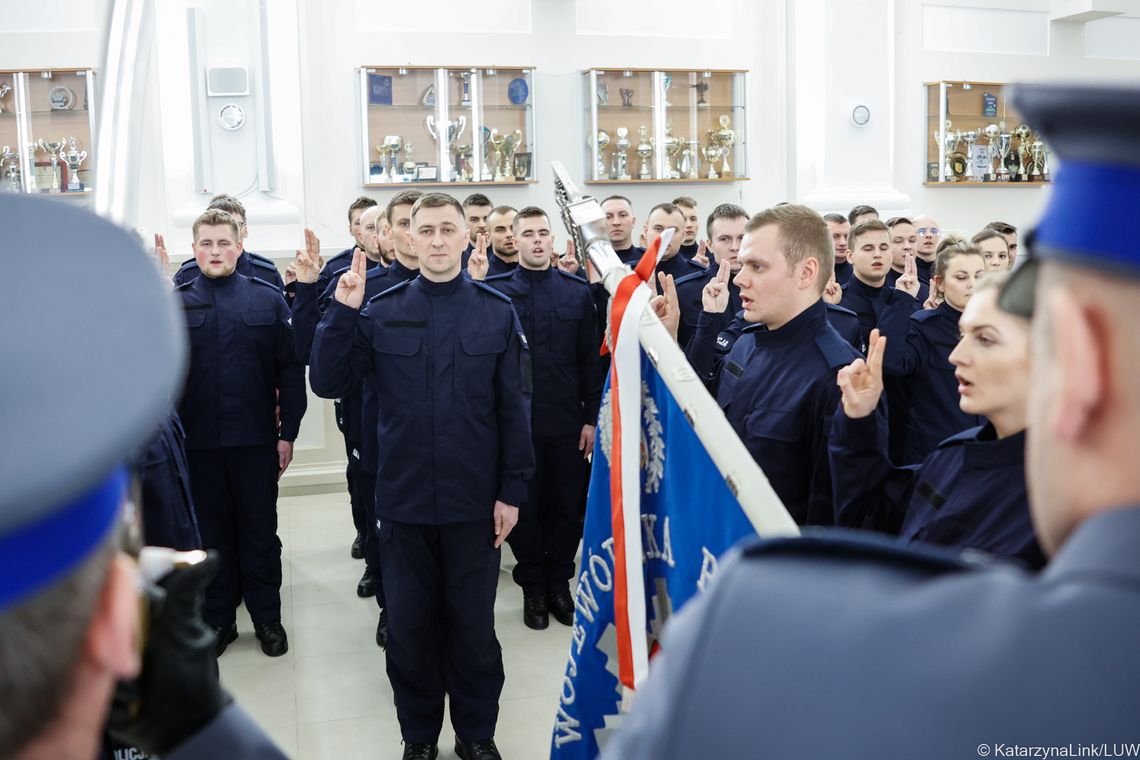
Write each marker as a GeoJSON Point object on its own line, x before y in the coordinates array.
{"type": "Point", "coordinates": [42, 552]}
{"type": "Point", "coordinates": [1087, 219]}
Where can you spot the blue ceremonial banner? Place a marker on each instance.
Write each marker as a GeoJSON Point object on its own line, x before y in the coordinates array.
{"type": "Point", "coordinates": [689, 518]}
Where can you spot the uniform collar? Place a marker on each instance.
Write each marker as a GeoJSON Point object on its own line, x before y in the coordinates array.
{"type": "Point", "coordinates": [678, 266]}
{"type": "Point", "coordinates": [1104, 545]}
{"type": "Point", "coordinates": [988, 452]}
{"type": "Point", "coordinates": [220, 282]}
{"type": "Point", "coordinates": [860, 288]}
{"type": "Point", "coordinates": [396, 269]}
{"type": "Point", "coordinates": [806, 322]}
{"type": "Point", "coordinates": [534, 275]}
{"type": "Point", "coordinates": [440, 288]}
{"type": "Point", "coordinates": [947, 310]}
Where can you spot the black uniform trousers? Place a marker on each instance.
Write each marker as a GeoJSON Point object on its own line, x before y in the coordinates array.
{"type": "Point", "coordinates": [550, 526]}
{"type": "Point", "coordinates": [352, 474]}
{"type": "Point", "coordinates": [364, 491]}
{"type": "Point", "coordinates": [440, 582]}
{"type": "Point", "coordinates": [235, 493]}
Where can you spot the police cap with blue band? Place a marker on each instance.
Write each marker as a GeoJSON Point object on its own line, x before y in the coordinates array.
{"type": "Point", "coordinates": [94, 350]}
{"type": "Point", "coordinates": [1094, 132]}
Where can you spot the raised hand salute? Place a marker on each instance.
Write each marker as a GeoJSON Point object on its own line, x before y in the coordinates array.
{"type": "Point", "coordinates": [307, 265]}
{"type": "Point", "coordinates": [702, 254]}
{"type": "Point", "coordinates": [350, 287]}
{"type": "Point", "coordinates": [478, 264]}
{"type": "Point", "coordinates": [908, 282]}
{"type": "Point", "coordinates": [714, 296]}
{"type": "Point", "coordinates": [861, 382]}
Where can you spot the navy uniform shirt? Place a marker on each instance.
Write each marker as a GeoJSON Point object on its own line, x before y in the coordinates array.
{"type": "Point", "coordinates": [870, 302]}
{"type": "Point", "coordinates": [689, 250]}
{"type": "Point", "coordinates": [715, 337]}
{"type": "Point", "coordinates": [925, 270]}
{"type": "Point", "coordinates": [969, 493]}
{"type": "Point", "coordinates": [449, 365]}
{"type": "Point", "coordinates": [630, 255]}
{"type": "Point", "coordinates": [366, 413]}
{"type": "Point", "coordinates": [497, 266]}
{"type": "Point", "coordinates": [689, 291]}
{"type": "Point", "coordinates": [777, 389]}
{"type": "Point", "coordinates": [882, 652]}
{"type": "Point", "coordinates": [844, 270]}
{"type": "Point", "coordinates": [248, 263]}
{"type": "Point", "coordinates": [556, 310]}
{"type": "Point", "coordinates": [243, 364]}
{"type": "Point", "coordinates": [918, 353]}
{"type": "Point", "coordinates": [169, 518]}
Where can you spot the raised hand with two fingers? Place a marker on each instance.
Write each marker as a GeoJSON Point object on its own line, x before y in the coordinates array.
{"type": "Point", "coordinates": [714, 296]}
{"type": "Point", "coordinates": [908, 282]}
{"type": "Point", "coordinates": [478, 264]}
{"type": "Point", "coordinates": [861, 381]}
{"type": "Point", "coordinates": [350, 287]}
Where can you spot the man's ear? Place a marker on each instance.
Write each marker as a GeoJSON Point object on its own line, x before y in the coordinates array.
{"type": "Point", "coordinates": [1080, 349]}
{"type": "Point", "coordinates": [112, 643]}
{"type": "Point", "coordinates": [809, 273]}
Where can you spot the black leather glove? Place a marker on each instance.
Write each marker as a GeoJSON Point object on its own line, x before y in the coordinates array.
{"type": "Point", "coordinates": [177, 692]}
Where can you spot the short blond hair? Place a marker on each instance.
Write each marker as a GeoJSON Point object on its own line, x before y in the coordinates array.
{"type": "Point", "coordinates": [214, 217]}
{"type": "Point", "coordinates": [803, 235]}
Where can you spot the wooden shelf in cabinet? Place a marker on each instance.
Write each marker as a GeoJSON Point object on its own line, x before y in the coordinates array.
{"type": "Point", "coordinates": [485, 183]}
{"type": "Point", "coordinates": [1037, 183]}
{"type": "Point", "coordinates": [663, 181]}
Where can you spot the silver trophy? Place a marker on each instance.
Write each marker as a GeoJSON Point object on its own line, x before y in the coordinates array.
{"type": "Point", "coordinates": [409, 166]}
{"type": "Point", "coordinates": [5, 88]}
{"type": "Point", "coordinates": [454, 130]}
{"type": "Point", "coordinates": [52, 149]}
{"type": "Point", "coordinates": [949, 140]}
{"type": "Point", "coordinates": [685, 166]}
{"type": "Point", "coordinates": [694, 161]}
{"type": "Point", "coordinates": [392, 145]}
{"type": "Point", "coordinates": [725, 137]}
{"type": "Point", "coordinates": [465, 157]}
{"type": "Point", "coordinates": [1004, 145]}
{"type": "Point", "coordinates": [992, 133]}
{"type": "Point", "coordinates": [10, 165]}
{"type": "Point", "coordinates": [73, 157]}
{"type": "Point", "coordinates": [466, 95]}
{"type": "Point", "coordinates": [970, 137]}
{"type": "Point", "coordinates": [1036, 160]}
{"type": "Point", "coordinates": [712, 153]}
{"type": "Point", "coordinates": [621, 158]}
{"type": "Point", "coordinates": [674, 147]}
{"type": "Point", "coordinates": [600, 171]}
{"type": "Point", "coordinates": [1021, 155]}
{"type": "Point", "coordinates": [644, 151]}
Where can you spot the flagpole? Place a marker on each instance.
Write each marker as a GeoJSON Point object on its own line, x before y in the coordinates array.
{"type": "Point", "coordinates": [585, 223]}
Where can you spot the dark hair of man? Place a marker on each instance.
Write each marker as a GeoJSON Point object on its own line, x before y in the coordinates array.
{"type": "Point", "coordinates": [501, 210]}
{"type": "Point", "coordinates": [858, 211]}
{"type": "Point", "coordinates": [215, 217]}
{"type": "Point", "coordinates": [862, 228]}
{"type": "Point", "coordinates": [684, 200]}
{"type": "Point", "coordinates": [436, 200]}
{"type": "Point", "coordinates": [989, 233]}
{"type": "Point", "coordinates": [476, 199]}
{"type": "Point", "coordinates": [1004, 228]}
{"type": "Point", "coordinates": [724, 211]}
{"type": "Point", "coordinates": [668, 208]}
{"type": "Point", "coordinates": [360, 204]}
{"type": "Point", "coordinates": [402, 198]}
{"type": "Point", "coordinates": [527, 212]}
{"type": "Point", "coordinates": [803, 235]}
{"type": "Point", "coordinates": [949, 253]}
{"type": "Point", "coordinates": [41, 641]}
{"type": "Point", "coordinates": [609, 198]}
{"type": "Point", "coordinates": [895, 220]}
{"type": "Point", "coordinates": [229, 204]}
{"type": "Point", "coordinates": [834, 218]}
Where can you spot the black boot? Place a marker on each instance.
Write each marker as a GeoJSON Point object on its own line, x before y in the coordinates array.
{"type": "Point", "coordinates": [413, 751]}
{"type": "Point", "coordinates": [534, 611]}
{"type": "Point", "coordinates": [561, 606]}
{"type": "Point", "coordinates": [485, 750]}
{"type": "Point", "coordinates": [272, 636]}
{"type": "Point", "coordinates": [358, 547]}
{"type": "Point", "coordinates": [226, 636]}
{"type": "Point", "coordinates": [367, 585]}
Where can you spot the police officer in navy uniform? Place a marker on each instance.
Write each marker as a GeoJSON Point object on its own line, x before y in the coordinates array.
{"type": "Point", "coordinates": [476, 208]}
{"type": "Point", "coordinates": [243, 365]}
{"type": "Point", "coordinates": [557, 315]}
{"type": "Point", "coordinates": [504, 252]}
{"type": "Point", "coordinates": [847, 646]}
{"type": "Point", "coordinates": [69, 591]}
{"type": "Point", "coordinates": [866, 293]}
{"type": "Point", "coordinates": [725, 229]}
{"type": "Point", "coordinates": [447, 358]}
{"type": "Point", "coordinates": [839, 227]}
{"type": "Point", "coordinates": [619, 224]}
{"type": "Point", "coordinates": [344, 258]}
{"type": "Point", "coordinates": [249, 263]}
{"type": "Point", "coordinates": [164, 482]}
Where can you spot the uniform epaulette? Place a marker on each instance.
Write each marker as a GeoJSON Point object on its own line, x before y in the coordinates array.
{"type": "Point", "coordinates": [691, 276]}
{"type": "Point", "coordinates": [186, 284]}
{"type": "Point", "coordinates": [575, 277]}
{"type": "Point", "coordinates": [341, 271]}
{"type": "Point", "coordinates": [924, 314]}
{"type": "Point", "coordinates": [500, 276]}
{"type": "Point", "coordinates": [262, 262]}
{"type": "Point", "coordinates": [836, 351]}
{"type": "Point", "coordinates": [838, 544]}
{"type": "Point", "coordinates": [395, 288]}
{"type": "Point", "coordinates": [964, 437]}
{"type": "Point", "coordinates": [840, 309]}
{"type": "Point", "coordinates": [697, 264]}
{"type": "Point", "coordinates": [269, 285]}
{"type": "Point", "coordinates": [258, 257]}
{"type": "Point", "coordinates": [373, 272]}
{"type": "Point", "coordinates": [188, 264]}
{"type": "Point", "coordinates": [488, 289]}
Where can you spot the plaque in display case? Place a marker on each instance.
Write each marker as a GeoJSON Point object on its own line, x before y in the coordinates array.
{"type": "Point", "coordinates": [470, 125]}
{"type": "Point", "coordinates": [46, 131]}
{"type": "Point", "coordinates": [974, 138]}
{"type": "Point", "coordinates": [651, 125]}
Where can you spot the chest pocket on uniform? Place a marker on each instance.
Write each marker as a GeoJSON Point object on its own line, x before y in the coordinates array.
{"type": "Point", "coordinates": [401, 364]}
{"type": "Point", "coordinates": [257, 327]}
{"type": "Point", "coordinates": [564, 329]}
{"type": "Point", "coordinates": [476, 364]}
{"type": "Point", "coordinates": [195, 318]}
{"type": "Point", "coordinates": [772, 425]}
{"type": "Point", "coordinates": [940, 355]}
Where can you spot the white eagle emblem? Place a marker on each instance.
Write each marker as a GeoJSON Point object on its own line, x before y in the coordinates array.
{"type": "Point", "coordinates": [652, 440]}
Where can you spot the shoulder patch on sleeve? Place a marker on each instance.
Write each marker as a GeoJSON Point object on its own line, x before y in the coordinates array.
{"type": "Point", "coordinates": [500, 276]}
{"type": "Point", "coordinates": [262, 262]}
{"type": "Point", "coordinates": [964, 437]}
{"type": "Point", "coordinates": [924, 314]}
{"type": "Point", "coordinates": [836, 351]}
{"type": "Point", "coordinates": [691, 277]}
{"type": "Point", "coordinates": [185, 285]}
{"type": "Point", "coordinates": [841, 310]}
{"type": "Point", "coordinates": [858, 546]}
{"type": "Point", "coordinates": [394, 289]}
{"type": "Point", "coordinates": [569, 276]}
{"type": "Point", "coordinates": [265, 284]}
{"type": "Point", "coordinates": [373, 273]}
{"type": "Point", "coordinates": [488, 289]}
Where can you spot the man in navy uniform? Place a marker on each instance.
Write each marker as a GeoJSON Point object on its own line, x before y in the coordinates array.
{"type": "Point", "coordinates": [69, 592]}
{"type": "Point", "coordinates": [619, 224]}
{"type": "Point", "coordinates": [777, 383]}
{"type": "Point", "coordinates": [841, 645]}
{"type": "Point", "coordinates": [476, 207]}
{"type": "Point", "coordinates": [504, 257]}
{"type": "Point", "coordinates": [725, 229]}
{"type": "Point", "coordinates": [867, 293]}
{"type": "Point", "coordinates": [692, 229]}
{"type": "Point", "coordinates": [839, 227]}
{"type": "Point", "coordinates": [344, 258]}
{"type": "Point", "coordinates": [557, 315]}
{"type": "Point", "coordinates": [243, 365]}
{"type": "Point", "coordinates": [249, 263]}
{"type": "Point", "coordinates": [447, 359]}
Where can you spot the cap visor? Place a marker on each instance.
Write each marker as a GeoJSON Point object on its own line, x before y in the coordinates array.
{"type": "Point", "coordinates": [1018, 293]}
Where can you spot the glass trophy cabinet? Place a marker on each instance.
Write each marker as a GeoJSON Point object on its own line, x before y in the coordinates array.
{"type": "Point", "coordinates": [468, 125]}
{"type": "Point", "coordinates": [47, 125]}
{"type": "Point", "coordinates": [647, 125]}
{"type": "Point", "coordinates": [973, 137]}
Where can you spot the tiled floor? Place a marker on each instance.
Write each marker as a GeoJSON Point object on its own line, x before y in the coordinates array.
{"type": "Point", "coordinates": [329, 697]}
